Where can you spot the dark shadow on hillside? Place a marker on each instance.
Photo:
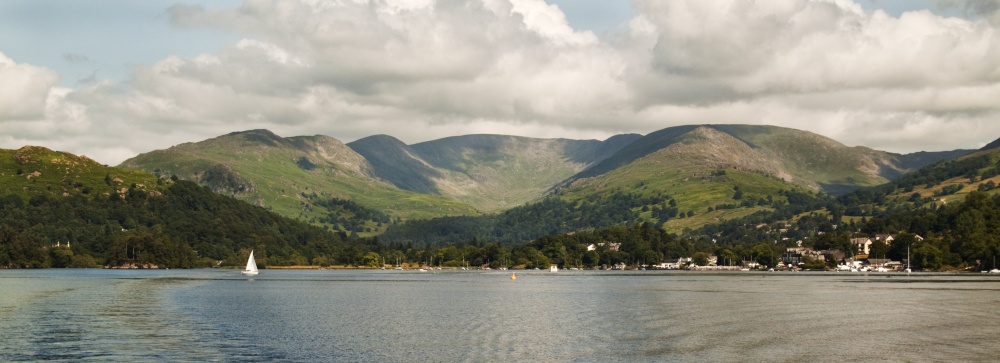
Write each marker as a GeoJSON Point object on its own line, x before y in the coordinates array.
{"type": "Point", "coordinates": [395, 162]}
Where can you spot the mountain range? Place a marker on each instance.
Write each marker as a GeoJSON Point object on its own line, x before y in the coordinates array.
{"type": "Point", "coordinates": [699, 166]}
{"type": "Point", "coordinates": [736, 187]}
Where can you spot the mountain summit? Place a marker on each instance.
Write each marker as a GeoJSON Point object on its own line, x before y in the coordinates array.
{"type": "Point", "coordinates": [793, 156]}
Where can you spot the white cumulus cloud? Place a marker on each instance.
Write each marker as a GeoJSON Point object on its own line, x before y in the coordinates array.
{"type": "Point", "coordinates": [24, 89]}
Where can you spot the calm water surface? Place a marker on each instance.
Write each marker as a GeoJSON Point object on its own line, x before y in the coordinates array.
{"type": "Point", "coordinates": [396, 316]}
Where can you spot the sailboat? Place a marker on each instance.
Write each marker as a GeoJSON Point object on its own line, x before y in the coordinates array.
{"type": "Point", "coordinates": [907, 260]}
{"type": "Point", "coordinates": [251, 269]}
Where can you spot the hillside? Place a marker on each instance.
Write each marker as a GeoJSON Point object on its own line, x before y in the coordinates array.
{"type": "Point", "coordinates": [488, 172]}
{"type": "Point", "coordinates": [181, 226]}
{"type": "Point", "coordinates": [62, 210]}
{"type": "Point", "coordinates": [681, 178]}
{"type": "Point", "coordinates": [33, 170]}
{"type": "Point", "coordinates": [307, 178]}
{"type": "Point", "coordinates": [703, 166]}
{"type": "Point", "coordinates": [799, 157]}
{"type": "Point", "coordinates": [939, 184]}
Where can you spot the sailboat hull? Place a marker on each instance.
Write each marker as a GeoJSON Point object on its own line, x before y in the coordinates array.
{"type": "Point", "coordinates": [249, 273]}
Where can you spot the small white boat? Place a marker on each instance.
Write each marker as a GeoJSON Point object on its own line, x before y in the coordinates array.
{"type": "Point", "coordinates": [995, 271]}
{"type": "Point", "coordinates": [251, 269]}
{"type": "Point", "coordinates": [553, 268]}
{"type": "Point", "coordinates": [908, 270]}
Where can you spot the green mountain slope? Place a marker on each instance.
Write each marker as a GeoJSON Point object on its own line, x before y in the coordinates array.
{"type": "Point", "coordinates": [296, 177]}
{"type": "Point", "coordinates": [681, 177]}
{"type": "Point", "coordinates": [937, 184]}
{"type": "Point", "coordinates": [489, 172]}
{"type": "Point", "coordinates": [32, 170]}
{"type": "Point", "coordinates": [803, 158]}
{"type": "Point", "coordinates": [702, 167]}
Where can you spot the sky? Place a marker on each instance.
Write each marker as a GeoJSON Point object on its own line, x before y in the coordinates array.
{"type": "Point", "coordinates": [111, 79]}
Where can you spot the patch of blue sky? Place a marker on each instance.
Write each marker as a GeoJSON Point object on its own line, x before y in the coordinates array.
{"type": "Point", "coordinates": [100, 39]}
{"type": "Point", "coordinates": [599, 16]}
{"type": "Point", "coordinates": [898, 7]}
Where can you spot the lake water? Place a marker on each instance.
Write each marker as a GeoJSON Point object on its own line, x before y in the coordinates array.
{"type": "Point", "coordinates": [397, 316]}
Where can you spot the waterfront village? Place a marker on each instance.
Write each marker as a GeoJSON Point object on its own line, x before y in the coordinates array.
{"type": "Point", "coordinates": [793, 259]}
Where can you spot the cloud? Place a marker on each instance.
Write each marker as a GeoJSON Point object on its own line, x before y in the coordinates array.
{"type": "Point", "coordinates": [826, 66]}
{"type": "Point", "coordinates": [424, 69]}
{"type": "Point", "coordinates": [755, 48]}
{"type": "Point", "coordinates": [24, 89]}
{"type": "Point", "coordinates": [424, 62]}
{"type": "Point", "coordinates": [988, 10]}
{"type": "Point", "coordinates": [75, 58]}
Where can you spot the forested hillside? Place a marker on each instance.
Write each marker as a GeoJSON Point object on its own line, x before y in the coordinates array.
{"type": "Point", "coordinates": [953, 206]}
{"type": "Point", "coordinates": [184, 226]}
{"type": "Point", "coordinates": [961, 236]}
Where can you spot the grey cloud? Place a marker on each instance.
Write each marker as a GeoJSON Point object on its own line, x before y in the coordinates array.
{"type": "Point", "coordinates": [973, 8]}
{"type": "Point", "coordinates": [75, 58]}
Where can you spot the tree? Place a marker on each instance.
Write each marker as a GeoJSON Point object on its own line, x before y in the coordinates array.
{"type": "Point", "coordinates": [897, 250]}
{"type": "Point", "coordinates": [371, 259]}
{"type": "Point", "coordinates": [728, 257]}
{"type": "Point", "coordinates": [700, 259]}
{"type": "Point", "coordinates": [765, 255]}
{"type": "Point", "coordinates": [927, 257]}
{"type": "Point", "coordinates": [61, 257]}
{"type": "Point", "coordinates": [321, 261]}
{"type": "Point", "coordinates": [878, 249]}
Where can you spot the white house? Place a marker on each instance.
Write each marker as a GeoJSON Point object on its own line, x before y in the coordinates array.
{"type": "Point", "coordinates": [864, 244]}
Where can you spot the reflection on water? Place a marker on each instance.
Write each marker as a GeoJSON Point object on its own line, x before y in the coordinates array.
{"type": "Point", "coordinates": [217, 315]}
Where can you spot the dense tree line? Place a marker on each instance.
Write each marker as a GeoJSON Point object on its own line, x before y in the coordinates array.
{"type": "Point", "coordinates": [552, 215]}
{"type": "Point", "coordinates": [633, 246]}
{"type": "Point", "coordinates": [347, 215]}
{"type": "Point", "coordinates": [186, 226]}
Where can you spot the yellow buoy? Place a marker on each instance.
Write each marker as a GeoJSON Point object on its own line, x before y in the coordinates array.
{"type": "Point", "coordinates": [513, 276]}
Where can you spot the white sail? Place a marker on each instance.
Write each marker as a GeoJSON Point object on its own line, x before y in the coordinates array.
{"type": "Point", "coordinates": [251, 266]}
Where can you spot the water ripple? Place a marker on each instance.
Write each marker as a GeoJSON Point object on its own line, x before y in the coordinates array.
{"type": "Point", "coordinates": [361, 316]}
